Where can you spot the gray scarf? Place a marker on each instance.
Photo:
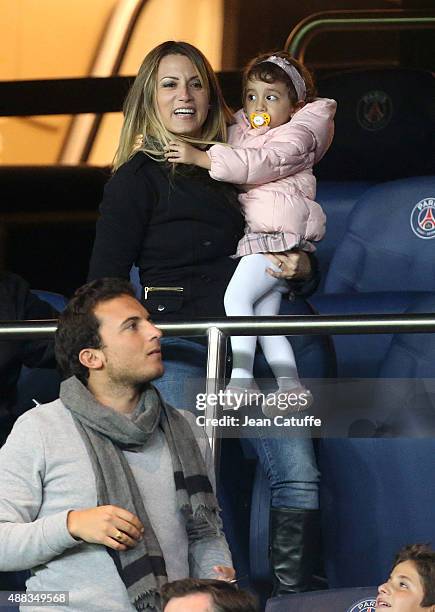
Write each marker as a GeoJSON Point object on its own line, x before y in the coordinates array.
{"type": "Point", "coordinates": [106, 433]}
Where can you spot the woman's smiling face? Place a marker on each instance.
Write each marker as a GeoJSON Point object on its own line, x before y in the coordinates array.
{"type": "Point", "coordinates": [403, 591]}
{"type": "Point", "coordinates": [181, 99]}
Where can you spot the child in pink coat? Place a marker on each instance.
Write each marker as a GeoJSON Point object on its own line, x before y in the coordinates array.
{"type": "Point", "coordinates": [281, 132]}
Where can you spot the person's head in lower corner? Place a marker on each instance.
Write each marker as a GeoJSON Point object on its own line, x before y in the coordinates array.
{"type": "Point", "coordinates": [195, 595]}
{"type": "Point", "coordinates": [411, 585]}
{"type": "Point", "coordinates": [106, 334]}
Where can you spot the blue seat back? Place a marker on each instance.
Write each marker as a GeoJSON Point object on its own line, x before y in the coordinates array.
{"type": "Point", "coordinates": [56, 300]}
{"type": "Point", "coordinates": [385, 125]}
{"type": "Point", "coordinates": [135, 281]}
{"type": "Point", "coordinates": [333, 600]}
{"type": "Point", "coordinates": [377, 495]}
{"type": "Point", "coordinates": [413, 355]}
{"type": "Point", "coordinates": [337, 199]}
{"type": "Point", "coordinates": [363, 355]}
{"type": "Point", "coordinates": [40, 384]}
{"type": "Point", "coordinates": [386, 247]}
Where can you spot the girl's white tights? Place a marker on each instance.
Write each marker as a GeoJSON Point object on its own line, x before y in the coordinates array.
{"type": "Point", "coordinates": [252, 291]}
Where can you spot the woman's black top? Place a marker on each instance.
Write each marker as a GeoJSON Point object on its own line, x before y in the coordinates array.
{"type": "Point", "coordinates": [179, 229]}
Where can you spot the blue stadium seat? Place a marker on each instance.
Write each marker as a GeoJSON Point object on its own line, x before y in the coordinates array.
{"type": "Point", "coordinates": [384, 262]}
{"type": "Point", "coordinates": [56, 300]}
{"type": "Point", "coordinates": [135, 281]}
{"type": "Point", "coordinates": [362, 355]}
{"type": "Point", "coordinates": [381, 133]}
{"type": "Point", "coordinates": [40, 384]}
{"type": "Point", "coordinates": [386, 247]}
{"type": "Point", "coordinates": [337, 199]}
{"type": "Point", "coordinates": [334, 600]}
{"type": "Point", "coordinates": [377, 494]}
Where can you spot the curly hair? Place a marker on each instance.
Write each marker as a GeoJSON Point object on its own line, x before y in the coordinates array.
{"type": "Point", "coordinates": [261, 70]}
{"type": "Point", "coordinates": [424, 560]}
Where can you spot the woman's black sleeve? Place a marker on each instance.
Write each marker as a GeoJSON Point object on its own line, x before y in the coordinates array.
{"type": "Point", "coordinates": [120, 232]}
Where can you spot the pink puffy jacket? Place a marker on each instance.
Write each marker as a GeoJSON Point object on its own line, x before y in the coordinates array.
{"type": "Point", "coordinates": [274, 168]}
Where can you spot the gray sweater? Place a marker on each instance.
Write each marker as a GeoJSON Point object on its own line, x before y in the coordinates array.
{"type": "Point", "coordinates": [45, 472]}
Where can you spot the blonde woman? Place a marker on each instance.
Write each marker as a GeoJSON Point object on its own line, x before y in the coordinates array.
{"type": "Point", "coordinates": [180, 228]}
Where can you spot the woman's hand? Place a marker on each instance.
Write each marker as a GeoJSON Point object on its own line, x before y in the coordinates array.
{"type": "Point", "coordinates": [179, 152]}
{"type": "Point", "coordinates": [294, 265]}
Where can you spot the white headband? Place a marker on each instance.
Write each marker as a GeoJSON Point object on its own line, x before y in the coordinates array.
{"type": "Point", "coordinates": [292, 73]}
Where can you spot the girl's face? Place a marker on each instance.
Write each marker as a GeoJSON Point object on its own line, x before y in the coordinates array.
{"type": "Point", "coordinates": [403, 591]}
{"type": "Point", "coordinates": [181, 99]}
{"type": "Point", "coordinates": [271, 98]}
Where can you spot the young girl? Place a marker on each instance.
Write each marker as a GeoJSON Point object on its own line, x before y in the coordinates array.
{"type": "Point", "coordinates": [281, 132]}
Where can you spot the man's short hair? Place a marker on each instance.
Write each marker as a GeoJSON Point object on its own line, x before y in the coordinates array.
{"type": "Point", "coordinates": [79, 327]}
{"type": "Point", "coordinates": [424, 559]}
{"type": "Point", "coordinates": [225, 596]}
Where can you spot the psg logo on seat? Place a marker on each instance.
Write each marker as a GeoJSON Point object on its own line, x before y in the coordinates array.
{"type": "Point", "coordinates": [364, 605]}
{"type": "Point", "coordinates": [423, 219]}
{"type": "Point", "coordinates": [374, 110]}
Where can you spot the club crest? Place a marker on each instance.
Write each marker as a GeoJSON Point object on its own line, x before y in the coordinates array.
{"type": "Point", "coordinates": [423, 219]}
{"type": "Point", "coordinates": [364, 605]}
{"type": "Point", "coordinates": [374, 110]}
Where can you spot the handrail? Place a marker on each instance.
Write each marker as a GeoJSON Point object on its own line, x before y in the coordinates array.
{"type": "Point", "coordinates": [267, 326]}
{"type": "Point", "coordinates": [217, 331]}
{"type": "Point", "coordinates": [355, 20]}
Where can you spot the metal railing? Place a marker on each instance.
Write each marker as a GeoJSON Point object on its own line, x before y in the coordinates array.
{"type": "Point", "coordinates": [219, 329]}
{"type": "Point", "coordinates": [355, 20]}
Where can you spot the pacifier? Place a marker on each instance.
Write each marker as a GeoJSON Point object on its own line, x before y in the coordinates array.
{"type": "Point", "coordinates": [259, 119]}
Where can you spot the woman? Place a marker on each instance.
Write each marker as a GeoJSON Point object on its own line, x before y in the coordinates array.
{"type": "Point", "coordinates": [180, 228]}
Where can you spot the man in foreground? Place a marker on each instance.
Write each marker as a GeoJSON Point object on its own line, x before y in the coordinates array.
{"type": "Point", "coordinates": [107, 492]}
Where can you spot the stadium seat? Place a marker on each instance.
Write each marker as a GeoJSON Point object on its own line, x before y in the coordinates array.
{"type": "Point", "coordinates": [387, 245]}
{"type": "Point", "coordinates": [384, 262]}
{"type": "Point", "coordinates": [40, 384]}
{"type": "Point", "coordinates": [337, 199]}
{"type": "Point", "coordinates": [56, 300]}
{"type": "Point", "coordinates": [385, 125]}
{"type": "Point", "coordinates": [135, 281]}
{"type": "Point", "coordinates": [377, 494]}
{"type": "Point", "coordinates": [334, 600]}
{"type": "Point", "coordinates": [380, 135]}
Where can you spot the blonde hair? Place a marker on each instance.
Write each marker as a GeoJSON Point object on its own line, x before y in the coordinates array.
{"type": "Point", "coordinates": [143, 128]}
{"type": "Point", "coordinates": [262, 70]}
